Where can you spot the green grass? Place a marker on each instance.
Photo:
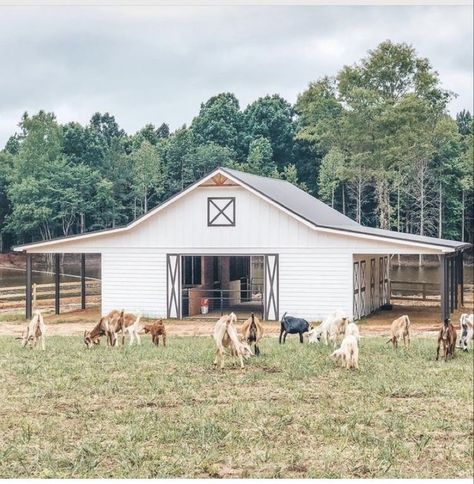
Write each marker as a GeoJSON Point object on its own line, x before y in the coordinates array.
{"type": "Point", "coordinates": [148, 412]}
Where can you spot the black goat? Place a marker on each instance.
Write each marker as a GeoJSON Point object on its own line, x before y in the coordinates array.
{"type": "Point", "coordinates": [292, 325]}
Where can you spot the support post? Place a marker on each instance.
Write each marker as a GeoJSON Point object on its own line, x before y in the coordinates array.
{"type": "Point", "coordinates": [444, 287]}
{"type": "Point", "coordinates": [452, 285]}
{"type": "Point", "coordinates": [461, 276]}
{"type": "Point", "coordinates": [57, 281]}
{"type": "Point", "coordinates": [28, 288]}
{"type": "Point", "coordinates": [456, 281]}
{"type": "Point", "coordinates": [83, 281]}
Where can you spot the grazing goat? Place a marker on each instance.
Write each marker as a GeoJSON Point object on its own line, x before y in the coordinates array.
{"type": "Point", "coordinates": [36, 329]}
{"type": "Point", "coordinates": [102, 328]}
{"type": "Point", "coordinates": [292, 325]}
{"type": "Point", "coordinates": [400, 329]}
{"type": "Point", "coordinates": [446, 336]}
{"type": "Point", "coordinates": [353, 330]}
{"type": "Point", "coordinates": [156, 330]}
{"type": "Point", "coordinates": [126, 322]}
{"type": "Point", "coordinates": [466, 323]}
{"type": "Point", "coordinates": [225, 335]}
{"type": "Point", "coordinates": [252, 332]}
{"type": "Point", "coordinates": [332, 327]}
{"type": "Point", "coordinates": [348, 353]}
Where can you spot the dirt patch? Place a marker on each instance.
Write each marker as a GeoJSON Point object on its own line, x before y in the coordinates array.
{"type": "Point", "coordinates": [424, 321]}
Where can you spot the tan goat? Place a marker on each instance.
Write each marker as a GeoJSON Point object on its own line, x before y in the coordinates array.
{"type": "Point", "coordinates": [225, 336]}
{"type": "Point", "coordinates": [400, 329]}
{"type": "Point", "coordinates": [35, 330]}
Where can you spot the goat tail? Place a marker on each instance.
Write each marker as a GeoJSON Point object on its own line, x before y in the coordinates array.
{"type": "Point", "coordinates": [407, 321]}
{"type": "Point", "coordinates": [253, 318]}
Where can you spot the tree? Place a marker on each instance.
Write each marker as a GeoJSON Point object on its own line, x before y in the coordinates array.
{"type": "Point", "coordinates": [332, 166]}
{"type": "Point", "coordinates": [271, 117]}
{"type": "Point", "coordinates": [148, 179]}
{"type": "Point", "coordinates": [205, 158]}
{"type": "Point", "coordinates": [260, 158]}
{"type": "Point", "coordinates": [220, 121]}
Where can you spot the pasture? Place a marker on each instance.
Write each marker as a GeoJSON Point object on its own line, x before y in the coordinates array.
{"type": "Point", "coordinates": [167, 412]}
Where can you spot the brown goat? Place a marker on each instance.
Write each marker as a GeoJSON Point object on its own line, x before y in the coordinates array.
{"type": "Point", "coordinates": [252, 332]}
{"type": "Point", "coordinates": [447, 336]}
{"type": "Point", "coordinates": [102, 328]}
{"type": "Point", "coordinates": [156, 330]}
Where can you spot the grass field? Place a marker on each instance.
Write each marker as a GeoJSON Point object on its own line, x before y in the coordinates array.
{"type": "Point", "coordinates": [148, 412]}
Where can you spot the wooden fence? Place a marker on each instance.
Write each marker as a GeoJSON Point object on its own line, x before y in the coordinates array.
{"type": "Point", "coordinates": [421, 291]}
{"type": "Point", "coordinates": [46, 291]}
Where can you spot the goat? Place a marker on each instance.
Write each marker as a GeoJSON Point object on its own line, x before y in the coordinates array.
{"type": "Point", "coordinates": [126, 322]}
{"type": "Point", "coordinates": [353, 330]}
{"type": "Point", "coordinates": [292, 325]}
{"type": "Point", "coordinates": [348, 353]}
{"type": "Point", "coordinates": [466, 323]}
{"type": "Point", "coordinates": [34, 330]}
{"type": "Point", "coordinates": [225, 335]}
{"type": "Point", "coordinates": [446, 336]}
{"type": "Point", "coordinates": [101, 329]}
{"type": "Point", "coordinates": [399, 329]}
{"type": "Point", "coordinates": [332, 327]}
{"type": "Point", "coordinates": [156, 330]}
{"type": "Point", "coordinates": [252, 332]}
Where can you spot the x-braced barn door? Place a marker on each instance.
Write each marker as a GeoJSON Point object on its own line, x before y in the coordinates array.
{"type": "Point", "coordinates": [173, 285]}
{"type": "Point", "coordinates": [384, 286]}
{"type": "Point", "coordinates": [356, 283]}
{"type": "Point", "coordinates": [271, 303]}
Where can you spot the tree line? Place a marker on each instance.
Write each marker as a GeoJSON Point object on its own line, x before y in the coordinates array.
{"type": "Point", "coordinates": [375, 141]}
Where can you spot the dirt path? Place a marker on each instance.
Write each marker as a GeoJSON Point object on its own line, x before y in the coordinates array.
{"type": "Point", "coordinates": [425, 320]}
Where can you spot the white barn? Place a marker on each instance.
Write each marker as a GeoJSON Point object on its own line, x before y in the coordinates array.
{"type": "Point", "coordinates": [243, 242]}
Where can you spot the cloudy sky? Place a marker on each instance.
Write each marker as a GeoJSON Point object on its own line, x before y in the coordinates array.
{"type": "Point", "coordinates": [157, 64]}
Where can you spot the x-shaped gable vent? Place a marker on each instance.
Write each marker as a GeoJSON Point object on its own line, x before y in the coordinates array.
{"type": "Point", "coordinates": [221, 212]}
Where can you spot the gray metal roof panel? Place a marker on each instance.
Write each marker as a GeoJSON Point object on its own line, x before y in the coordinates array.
{"type": "Point", "coordinates": [294, 199]}
{"type": "Point", "coordinates": [322, 215]}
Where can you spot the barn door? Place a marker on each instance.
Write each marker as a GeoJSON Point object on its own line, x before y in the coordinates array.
{"type": "Point", "coordinates": [271, 301]}
{"type": "Point", "coordinates": [356, 284]}
{"type": "Point", "coordinates": [386, 280]}
{"type": "Point", "coordinates": [363, 294]}
{"type": "Point", "coordinates": [173, 285]}
{"type": "Point", "coordinates": [372, 285]}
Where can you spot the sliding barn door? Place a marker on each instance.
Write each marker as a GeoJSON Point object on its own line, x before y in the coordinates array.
{"type": "Point", "coordinates": [173, 285]}
{"type": "Point", "coordinates": [271, 308]}
{"type": "Point", "coordinates": [356, 303]}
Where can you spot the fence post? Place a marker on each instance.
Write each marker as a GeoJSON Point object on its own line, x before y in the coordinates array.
{"type": "Point", "coordinates": [28, 295]}
{"type": "Point", "coordinates": [57, 281]}
{"type": "Point", "coordinates": [83, 281]}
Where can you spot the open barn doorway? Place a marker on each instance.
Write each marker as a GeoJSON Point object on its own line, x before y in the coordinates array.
{"type": "Point", "coordinates": [216, 284]}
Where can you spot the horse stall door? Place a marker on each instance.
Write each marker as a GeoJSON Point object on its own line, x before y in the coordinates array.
{"type": "Point", "coordinates": [362, 290]}
{"type": "Point", "coordinates": [356, 284]}
{"type": "Point", "coordinates": [173, 285]}
{"type": "Point", "coordinates": [373, 304]}
{"type": "Point", "coordinates": [271, 296]}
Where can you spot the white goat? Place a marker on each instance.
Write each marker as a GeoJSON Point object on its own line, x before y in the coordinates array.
{"type": "Point", "coordinates": [348, 353]}
{"type": "Point", "coordinates": [225, 335]}
{"type": "Point", "coordinates": [332, 327]}
{"type": "Point", "coordinates": [36, 329]}
{"type": "Point", "coordinates": [353, 330]}
{"type": "Point", "coordinates": [466, 323]}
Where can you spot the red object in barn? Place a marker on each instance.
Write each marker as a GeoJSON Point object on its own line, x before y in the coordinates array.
{"type": "Point", "coordinates": [204, 305]}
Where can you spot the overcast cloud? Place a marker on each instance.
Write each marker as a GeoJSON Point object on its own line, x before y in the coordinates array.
{"type": "Point", "coordinates": [157, 64]}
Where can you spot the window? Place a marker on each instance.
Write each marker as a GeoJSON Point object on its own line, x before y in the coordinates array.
{"type": "Point", "coordinates": [221, 211]}
{"type": "Point", "coordinates": [191, 270]}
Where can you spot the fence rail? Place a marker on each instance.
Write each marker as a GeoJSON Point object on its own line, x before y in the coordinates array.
{"type": "Point", "coordinates": [46, 291]}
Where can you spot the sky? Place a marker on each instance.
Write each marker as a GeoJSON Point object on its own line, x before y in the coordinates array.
{"type": "Point", "coordinates": [158, 64]}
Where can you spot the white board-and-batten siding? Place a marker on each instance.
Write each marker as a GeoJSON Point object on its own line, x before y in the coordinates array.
{"type": "Point", "coordinates": [315, 267]}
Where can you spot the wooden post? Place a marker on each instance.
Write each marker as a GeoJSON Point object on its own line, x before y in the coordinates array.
{"type": "Point", "coordinates": [28, 288]}
{"type": "Point", "coordinates": [83, 281]}
{"type": "Point", "coordinates": [57, 281]}
{"type": "Point", "coordinates": [461, 276]}
{"type": "Point", "coordinates": [444, 286]}
{"type": "Point", "coordinates": [452, 285]}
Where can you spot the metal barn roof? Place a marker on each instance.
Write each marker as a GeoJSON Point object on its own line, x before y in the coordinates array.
{"type": "Point", "coordinates": [321, 215]}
